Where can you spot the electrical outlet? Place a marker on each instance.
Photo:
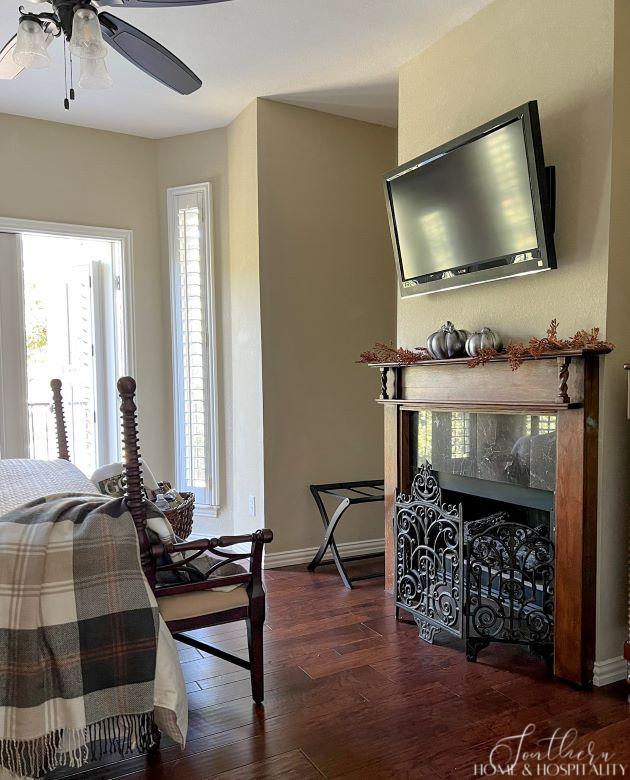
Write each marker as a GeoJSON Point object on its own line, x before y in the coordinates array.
{"type": "Point", "coordinates": [252, 506]}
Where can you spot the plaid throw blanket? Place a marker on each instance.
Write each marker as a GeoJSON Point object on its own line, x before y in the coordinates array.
{"type": "Point", "coordinates": [78, 634]}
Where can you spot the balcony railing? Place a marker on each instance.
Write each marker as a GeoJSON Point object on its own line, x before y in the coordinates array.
{"type": "Point", "coordinates": [42, 435]}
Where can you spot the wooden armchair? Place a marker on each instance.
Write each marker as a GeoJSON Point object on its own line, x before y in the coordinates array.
{"type": "Point", "coordinates": [188, 606]}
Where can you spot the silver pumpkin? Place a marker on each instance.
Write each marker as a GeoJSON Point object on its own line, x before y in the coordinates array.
{"type": "Point", "coordinates": [447, 342]}
{"type": "Point", "coordinates": [486, 338]}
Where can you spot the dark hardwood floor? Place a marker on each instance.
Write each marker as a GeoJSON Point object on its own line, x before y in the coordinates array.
{"type": "Point", "coordinates": [352, 694]}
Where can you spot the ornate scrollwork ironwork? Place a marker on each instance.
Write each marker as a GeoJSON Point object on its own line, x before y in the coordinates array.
{"type": "Point", "coordinates": [429, 557]}
{"type": "Point", "coordinates": [507, 592]}
{"type": "Point", "coordinates": [426, 630]}
{"type": "Point", "coordinates": [510, 584]}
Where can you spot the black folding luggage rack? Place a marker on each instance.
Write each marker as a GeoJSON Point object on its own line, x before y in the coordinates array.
{"type": "Point", "coordinates": [348, 493]}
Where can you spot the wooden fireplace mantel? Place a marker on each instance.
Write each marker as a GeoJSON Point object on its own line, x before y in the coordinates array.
{"type": "Point", "coordinates": [563, 383]}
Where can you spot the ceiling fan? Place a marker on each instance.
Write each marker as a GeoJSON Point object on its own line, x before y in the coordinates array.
{"type": "Point", "coordinates": [85, 29]}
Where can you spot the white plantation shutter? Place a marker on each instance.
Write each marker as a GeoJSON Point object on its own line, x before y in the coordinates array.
{"type": "Point", "coordinates": [193, 344]}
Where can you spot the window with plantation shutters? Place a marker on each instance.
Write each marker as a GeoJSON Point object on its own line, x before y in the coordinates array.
{"type": "Point", "coordinates": [194, 359]}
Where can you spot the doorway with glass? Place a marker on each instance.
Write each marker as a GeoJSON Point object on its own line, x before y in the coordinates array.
{"type": "Point", "coordinates": [63, 313]}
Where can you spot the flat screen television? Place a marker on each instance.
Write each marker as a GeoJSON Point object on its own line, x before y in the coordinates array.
{"type": "Point", "coordinates": [476, 209]}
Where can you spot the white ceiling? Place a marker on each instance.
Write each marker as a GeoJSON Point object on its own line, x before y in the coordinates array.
{"type": "Point", "coordinates": [340, 56]}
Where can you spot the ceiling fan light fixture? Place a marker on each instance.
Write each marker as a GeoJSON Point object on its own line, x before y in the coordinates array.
{"type": "Point", "coordinates": [87, 40]}
{"type": "Point", "coordinates": [94, 74]}
{"type": "Point", "coordinates": [30, 47]}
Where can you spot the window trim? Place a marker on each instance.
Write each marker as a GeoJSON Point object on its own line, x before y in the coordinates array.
{"type": "Point", "coordinates": [210, 509]}
{"type": "Point", "coordinates": [13, 382]}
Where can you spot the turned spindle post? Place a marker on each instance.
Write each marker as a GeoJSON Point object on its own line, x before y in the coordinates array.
{"type": "Point", "coordinates": [563, 377]}
{"type": "Point", "coordinates": [60, 420]}
{"type": "Point", "coordinates": [384, 396]}
{"type": "Point", "coordinates": [134, 491]}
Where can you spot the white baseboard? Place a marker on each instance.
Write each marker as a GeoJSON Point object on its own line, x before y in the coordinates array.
{"type": "Point", "coordinates": [610, 671]}
{"type": "Point", "coordinates": [274, 560]}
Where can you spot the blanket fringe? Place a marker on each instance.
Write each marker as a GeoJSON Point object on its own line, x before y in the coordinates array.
{"type": "Point", "coordinates": [121, 734]}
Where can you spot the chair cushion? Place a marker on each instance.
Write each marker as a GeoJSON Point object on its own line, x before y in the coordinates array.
{"type": "Point", "coordinates": [201, 602]}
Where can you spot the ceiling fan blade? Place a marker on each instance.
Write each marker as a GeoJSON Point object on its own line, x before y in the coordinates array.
{"type": "Point", "coordinates": [8, 68]}
{"type": "Point", "coordinates": [148, 55]}
{"type": "Point", "coordinates": [154, 3]}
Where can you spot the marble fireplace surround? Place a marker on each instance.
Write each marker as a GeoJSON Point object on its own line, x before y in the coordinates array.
{"type": "Point", "coordinates": [565, 385]}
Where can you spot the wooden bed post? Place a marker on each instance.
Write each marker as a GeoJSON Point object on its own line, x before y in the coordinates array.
{"type": "Point", "coordinates": [134, 491]}
{"type": "Point", "coordinates": [60, 420]}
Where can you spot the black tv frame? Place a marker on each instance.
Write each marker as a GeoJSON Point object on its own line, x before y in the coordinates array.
{"type": "Point", "coordinates": [542, 184]}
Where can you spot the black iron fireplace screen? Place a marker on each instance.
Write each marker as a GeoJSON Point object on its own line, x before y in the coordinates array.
{"type": "Point", "coordinates": [486, 580]}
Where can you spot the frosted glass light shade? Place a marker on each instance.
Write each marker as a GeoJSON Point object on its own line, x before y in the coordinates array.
{"type": "Point", "coordinates": [87, 40]}
{"type": "Point", "coordinates": [94, 74]}
{"type": "Point", "coordinates": [30, 47]}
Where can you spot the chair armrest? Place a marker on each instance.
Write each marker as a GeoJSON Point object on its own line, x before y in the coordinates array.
{"type": "Point", "coordinates": [199, 546]}
{"type": "Point", "coordinates": [263, 536]}
{"type": "Point", "coordinates": [253, 578]}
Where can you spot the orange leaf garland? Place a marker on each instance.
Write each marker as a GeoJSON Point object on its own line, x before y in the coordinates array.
{"type": "Point", "coordinates": [514, 352]}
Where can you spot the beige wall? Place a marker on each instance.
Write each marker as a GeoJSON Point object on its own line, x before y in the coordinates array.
{"type": "Point", "coordinates": [191, 159]}
{"type": "Point", "coordinates": [561, 54]}
{"type": "Point", "coordinates": [327, 291]}
{"type": "Point", "coordinates": [292, 254]}
{"type": "Point", "coordinates": [309, 184]}
{"type": "Point", "coordinates": [509, 53]}
{"type": "Point", "coordinates": [59, 173]}
{"type": "Point", "coordinates": [248, 449]}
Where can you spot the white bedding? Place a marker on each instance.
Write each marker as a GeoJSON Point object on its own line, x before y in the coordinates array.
{"type": "Point", "coordinates": [24, 480]}
{"type": "Point", "coordinates": [171, 702]}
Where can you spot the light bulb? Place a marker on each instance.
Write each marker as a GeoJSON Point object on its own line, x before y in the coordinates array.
{"type": "Point", "coordinates": [87, 40]}
{"type": "Point", "coordinates": [94, 74]}
{"type": "Point", "coordinates": [30, 47]}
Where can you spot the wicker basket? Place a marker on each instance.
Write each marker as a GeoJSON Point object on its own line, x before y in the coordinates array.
{"type": "Point", "coordinates": [181, 518]}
